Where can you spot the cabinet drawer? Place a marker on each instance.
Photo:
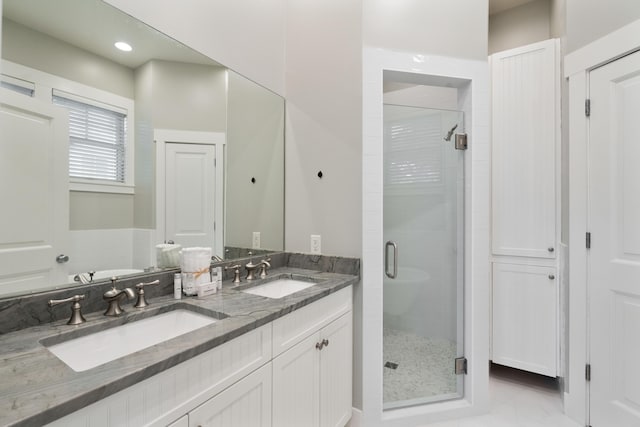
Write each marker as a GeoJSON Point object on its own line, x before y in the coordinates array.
{"type": "Point", "coordinates": [293, 328]}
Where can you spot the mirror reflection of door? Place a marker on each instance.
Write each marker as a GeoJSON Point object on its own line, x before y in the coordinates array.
{"type": "Point", "coordinates": [190, 188]}
{"type": "Point", "coordinates": [35, 194]}
{"type": "Point", "coordinates": [189, 194]}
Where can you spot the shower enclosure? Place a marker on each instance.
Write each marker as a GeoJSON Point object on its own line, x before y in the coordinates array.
{"type": "Point", "coordinates": [423, 217]}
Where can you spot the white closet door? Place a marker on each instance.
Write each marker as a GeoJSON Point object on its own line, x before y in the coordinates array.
{"type": "Point", "coordinates": [524, 323]}
{"type": "Point", "coordinates": [190, 194]}
{"type": "Point", "coordinates": [524, 127]}
{"type": "Point", "coordinates": [34, 183]}
{"type": "Point", "coordinates": [614, 213]}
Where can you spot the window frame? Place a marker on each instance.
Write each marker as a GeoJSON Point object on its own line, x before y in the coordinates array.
{"type": "Point", "coordinates": [45, 84]}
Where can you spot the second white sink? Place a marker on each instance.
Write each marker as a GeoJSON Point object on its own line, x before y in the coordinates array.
{"type": "Point", "coordinates": [89, 351]}
{"type": "Point", "coordinates": [279, 288]}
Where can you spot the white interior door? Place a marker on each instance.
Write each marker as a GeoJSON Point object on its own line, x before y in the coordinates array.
{"type": "Point", "coordinates": [614, 207]}
{"type": "Point", "coordinates": [33, 176]}
{"type": "Point", "coordinates": [190, 194]}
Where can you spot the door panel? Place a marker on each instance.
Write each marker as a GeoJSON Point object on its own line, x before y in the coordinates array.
{"type": "Point", "coordinates": [336, 373]}
{"type": "Point", "coordinates": [614, 212]}
{"type": "Point", "coordinates": [423, 215]}
{"type": "Point", "coordinates": [33, 175]}
{"type": "Point", "coordinates": [296, 378]}
{"type": "Point", "coordinates": [190, 194]}
{"type": "Point", "coordinates": [524, 323]}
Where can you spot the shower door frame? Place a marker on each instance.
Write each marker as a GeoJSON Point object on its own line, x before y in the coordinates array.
{"type": "Point", "coordinates": [472, 80]}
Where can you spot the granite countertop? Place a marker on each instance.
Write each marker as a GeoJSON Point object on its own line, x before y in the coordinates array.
{"type": "Point", "coordinates": [38, 388]}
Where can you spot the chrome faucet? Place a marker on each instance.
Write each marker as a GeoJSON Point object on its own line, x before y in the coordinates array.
{"type": "Point", "coordinates": [76, 315]}
{"type": "Point", "coordinates": [141, 302]}
{"type": "Point", "coordinates": [251, 270]}
{"type": "Point", "coordinates": [264, 265]}
{"type": "Point", "coordinates": [82, 277]}
{"type": "Point", "coordinates": [113, 297]}
{"type": "Point", "coordinates": [236, 272]}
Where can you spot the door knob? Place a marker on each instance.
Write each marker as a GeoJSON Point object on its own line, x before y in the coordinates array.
{"type": "Point", "coordinates": [62, 258]}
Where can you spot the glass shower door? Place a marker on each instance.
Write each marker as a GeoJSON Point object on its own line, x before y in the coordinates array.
{"type": "Point", "coordinates": [423, 231]}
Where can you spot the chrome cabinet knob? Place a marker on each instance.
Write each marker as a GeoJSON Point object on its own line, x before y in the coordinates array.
{"type": "Point", "coordinates": [62, 258]}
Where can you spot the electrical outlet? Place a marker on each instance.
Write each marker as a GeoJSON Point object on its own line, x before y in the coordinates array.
{"type": "Point", "coordinates": [316, 244]}
{"type": "Point", "coordinates": [256, 240]}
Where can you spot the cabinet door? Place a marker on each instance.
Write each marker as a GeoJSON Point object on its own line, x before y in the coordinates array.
{"type": "Point", "coordinates": [525, 111]}
{"type": "Point", "coordinates": [335, 372]}
{"type": "Point", "coordinates": [296, 384]}
{"type": "Point", "coordinates": [524, 323]}
{"type": "Point", "coordinates": [246, 403]}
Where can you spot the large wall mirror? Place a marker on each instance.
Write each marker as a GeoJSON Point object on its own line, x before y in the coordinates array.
{"type": "Point", "coordinates": [185, 115]}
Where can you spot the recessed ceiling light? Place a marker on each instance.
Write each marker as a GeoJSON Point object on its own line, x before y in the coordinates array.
{"type": "Point", "coordinates": [125, 47]}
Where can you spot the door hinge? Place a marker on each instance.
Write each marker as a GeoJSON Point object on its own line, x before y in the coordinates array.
{"type": "Point", "coordinates": [588, 240]}
{"type": "Point", "coordinates": [587, 372]}
{"type": "Point", "coordinates": [461, 141]}
{"type": "Point", "coordinates": [587, 107]}
{"type": "Point", "coordinates": [461, 366]}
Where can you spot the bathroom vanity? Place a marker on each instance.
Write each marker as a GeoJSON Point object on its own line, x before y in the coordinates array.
{"type": "Point", "coordinates": [262, 360]}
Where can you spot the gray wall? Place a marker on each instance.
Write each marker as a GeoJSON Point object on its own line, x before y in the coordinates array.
{"type": "Point", "coordinates": [520, 26]}
{"type": "Point", "coordinates": [36, 50]}
{"type": "Point", "coordinates": [588, 20]}
{"type": "Point", "coordinates": [255, 148]}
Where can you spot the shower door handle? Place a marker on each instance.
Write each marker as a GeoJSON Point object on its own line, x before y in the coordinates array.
{"type": "Point", "coordinates": [395, 259]}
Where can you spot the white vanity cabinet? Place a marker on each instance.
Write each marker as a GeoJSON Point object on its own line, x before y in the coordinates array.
{"type": "Point", "coordinates": [313, 364]}
{"type": "Point", "coordinates": [246, 403]}
{"type": "Point", "coordinates": [312, 380]}
{"type": "Point", "coordinates": [240, 383]}
{"type": "Point", "coordinates": [525, 208]}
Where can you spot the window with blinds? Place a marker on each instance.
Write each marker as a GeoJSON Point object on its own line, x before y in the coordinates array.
{"type": "Point", "coordinates": [414, 152]}
{"type": "Point", "coordinates": [21, 86]}
{"type": "Point", "coordinates": [97, 138]}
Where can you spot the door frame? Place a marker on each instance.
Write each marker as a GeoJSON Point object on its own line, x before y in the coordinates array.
{"type": "Point", "coordinates": [471, 77]}
{"type": "Point", "coordinates": [577, 66]}
{"type": "Point", "coordinates": [162, 137]}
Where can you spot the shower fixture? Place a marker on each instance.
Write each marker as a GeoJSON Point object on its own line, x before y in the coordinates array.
{"type": "Point", "coordinates": [450, 133]}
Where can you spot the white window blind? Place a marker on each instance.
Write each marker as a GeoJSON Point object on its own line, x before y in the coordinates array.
{"type": "Point", "coordinates": [414, 154]}
{"type": "Point", "coordinates": [97, 138]}
{"type": "Point", "coordinates": [17, 85]}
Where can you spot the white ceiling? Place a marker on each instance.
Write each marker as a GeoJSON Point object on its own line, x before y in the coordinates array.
{"type": "Point", "coordinates": [497, 6]}
{"type": "Point", "coordinates": [94, 26]}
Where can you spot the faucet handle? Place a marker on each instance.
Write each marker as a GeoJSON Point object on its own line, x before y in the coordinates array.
{"type": "Point", "coordinates": [236, 272]}
{"type": "Point", "coordinates": [76, 313]}
{"type": "Point", "coordinates": [141, 302]}
{"type": "Point", "coordinates": [264, 265]}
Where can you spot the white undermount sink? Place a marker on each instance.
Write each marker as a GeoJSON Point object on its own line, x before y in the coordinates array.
{"type": "Point", "coordinates": [95, 349]}
{"type": "Point", "coordinates": [279, 288]}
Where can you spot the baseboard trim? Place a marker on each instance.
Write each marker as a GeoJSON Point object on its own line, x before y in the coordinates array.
{"type": "Point", "coordinates": [356, 418]}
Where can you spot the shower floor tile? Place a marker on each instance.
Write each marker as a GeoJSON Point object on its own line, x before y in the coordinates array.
{"type": "Point", "coordinates": [425, 367]}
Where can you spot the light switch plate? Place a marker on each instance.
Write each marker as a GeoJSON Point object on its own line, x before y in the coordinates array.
{"type": "Point", "coordinates": [316, 244]}
{"type": "Point", "coordinates": [256, 240]}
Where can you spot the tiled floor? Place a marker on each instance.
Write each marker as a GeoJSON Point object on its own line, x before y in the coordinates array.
{"type": "Point", "coordinates": [518, 399]}
{"type": "Point", "coordinates": [420, 367]}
